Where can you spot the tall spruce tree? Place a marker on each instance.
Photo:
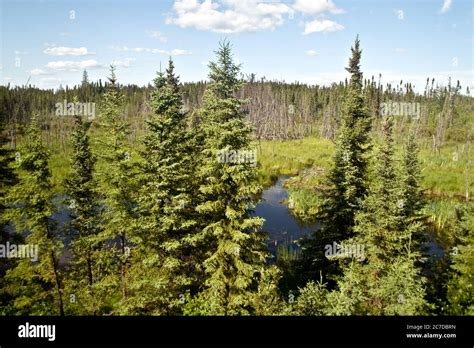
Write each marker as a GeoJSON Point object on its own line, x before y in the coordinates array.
{"type": "Point", "coordinates": [117, 174]}
{"type": "Point", "coordinates": [236, 252]}
{"type": "Point", "coordinates": [347, 179]}
{"type": "Point", "coordinates": [411, 200]}
{"type": "Point", "coordinates": [166, 272]}
{"type": "Point", "coordinates": [386, 281]}
{"type": "Point", "coordinates": [36, 285]}
{"type": "Point", "coordinates": [85, 89]}
{"type": "Point", "coordinates": [8, 179]}
{"type": "Point", "coordinates": [81, 188]}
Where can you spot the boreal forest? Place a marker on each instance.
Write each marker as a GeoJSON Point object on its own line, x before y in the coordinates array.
{"type": "Point", "coordinates": [237, 194]}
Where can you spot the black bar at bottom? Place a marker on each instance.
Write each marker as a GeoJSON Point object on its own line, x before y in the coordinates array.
{"type": "Point", "coordinates": [223, 331]}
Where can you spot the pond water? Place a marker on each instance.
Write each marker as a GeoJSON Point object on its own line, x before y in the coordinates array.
{"type": "Point", "coordinates": [281, 226]}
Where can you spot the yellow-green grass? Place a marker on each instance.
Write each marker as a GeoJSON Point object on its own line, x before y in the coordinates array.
{"type": "Point", "coordinates": [289, 157]}
{"type": "Point", "coordinates": [442, 215]}
{"type": "Point", "coordinates": [441, 174]}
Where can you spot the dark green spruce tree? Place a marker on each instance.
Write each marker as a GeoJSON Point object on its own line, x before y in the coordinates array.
{"type": "Point", "coordinates": [384, 279]}
{"type": "Point", "coordinates": [347, 179]}
{"type": "Point", "coordinates": [8, 179]}
{"type": "Point", "coordinates": [81, 188]}
{"type": "Point", "coordinates": [117, 184]}
{"type": "Point", "coordinates": [36, 285]}
{"type": "Point", "coordinates": [167, 270]}
{"type": "Point", "coordinates": [411, 201]}
{"type": "Point", "coordinates": [235, 262]}
{"type": "Point", "coordinates": [461, 285]}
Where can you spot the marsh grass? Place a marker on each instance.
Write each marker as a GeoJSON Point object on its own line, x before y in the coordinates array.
{"type": "Point", "coordinates": [447, 176]}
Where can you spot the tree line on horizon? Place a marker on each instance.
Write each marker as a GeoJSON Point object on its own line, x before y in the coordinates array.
{"type": "Point", "coordinates": [276, 109]}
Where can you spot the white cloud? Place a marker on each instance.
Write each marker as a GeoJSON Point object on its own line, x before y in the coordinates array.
{"type": "Point", "coordinates": [229, 16]}
{"type": "Point", "coordinates": [312, 53]}
{"type": "Point", "coordinates": [67, 51]}
{"type": "Point", "coordinates": [325, 26]}
{"type": "Point", "coordinates": [69, 65]}
{"type": "Point", "coordinates": [39, 72]}
{"type": "Point", "coordinates": [400, 14]}
{"type": "Point", "coordinates": [51, 82]}
{"type": "Point", "coordinates": [51, 79]}
{"type": "Point", "coordinates": [173, 52]}
{"type": "Point", "coordinates": [446, 6]}
{"type": "Point", "coordinates": [157, 35]}
{"type": "Point", "coordinates": [123, 63]}
{"type": "Point", "coordinates": [178, 52]}
{"type": "Point", "coordinates": [316, 7]}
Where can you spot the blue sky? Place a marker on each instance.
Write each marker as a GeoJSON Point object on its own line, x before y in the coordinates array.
{"type": "Point", "coordinates": [52, 42]}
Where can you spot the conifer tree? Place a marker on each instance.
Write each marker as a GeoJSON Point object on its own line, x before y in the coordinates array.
{"type": "Point", "coordinates": [461, 285]}
{"type": "Point", "coordinates": [83, 203]}
{"type": "Point", "coordinates": [85, 90]}
{"type": "Point", "coordinates": [347, 179]}
{"type": "Point", "coordinates": [117, 185]}
{"type": "Point", "coordinates": [36, 286]}
{"type": "Point", "coordinates": [8, 179]}
{"type": "Point", "coordinates": [411, 201]}
{"type": "Point", "coordinates": [166, 205]}
{"type": "Point", "coordinates": [8, 176]}
{"type": "Point", "coordinates": [312, 300]}
{"type": "Point", "coordinates": [85, 79]}
{"type": "Point", "coordinates": [386, 281]}
{"type": "Point", "coordinates": [236, 253]}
